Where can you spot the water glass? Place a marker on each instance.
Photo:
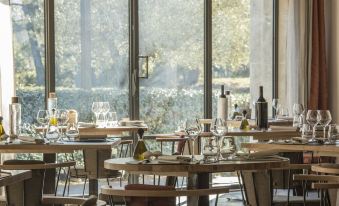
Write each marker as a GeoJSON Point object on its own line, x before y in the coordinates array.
{"type": "Point", "coordinates": [227, 147]}
{"type": "Point", "coordinates": [112, 119]}
{"type": "Point", "coordinates": [96, 109]}
{"type": "Point", "coordinates": [101, 120]}
{"type": "Point", "coordinates": [275, 105]}
{"type": "Point", "coordinates": [332, 133]}
{"type": "Point", "coordinates": [298, 110]}
{"type": "Point", "coordinates": [210, 149]}
{"type": "Point", "coordinates": [72, 131]}
{"type": "Point", "coordinates": [324, 118]}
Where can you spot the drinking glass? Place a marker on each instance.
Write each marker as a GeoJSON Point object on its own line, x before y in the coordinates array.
{"type": "Point", "coordinates": [62, 117]}
{"type": "Point", "coordinates": [282, 112]}
{"type": "Point", "coordinates": [112, 119]}
{"type": "Point", "coordinates": [72, 131]}
{"type": "Point", "coordinates": [275, 105]}
{"type": "Point", "coordinates": [43, 119]}
{"type": "Point", "coordinates": [101, 120]}
{"type": "Point", "coordinates": [298, 110]}
{"type": "Point", "coordinates": [210, 149]}
{"type": "Point", "coordinates": [96, 108]}
{"type": "Point", "coordinates": [227, 147]}
{"type": "Point", "coordinates": [323, 119]}
{"type": "Point", "coordinates": [193, 129]}
{"type": "Point", "coordinates": [218, 129]}
{"type": "Point", "coordinates": [311, 119]}
{"type": "Point", "coordinates": [332, 133]}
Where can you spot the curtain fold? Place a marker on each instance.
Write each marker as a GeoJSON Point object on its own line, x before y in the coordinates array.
{"type": "Point", "coordinates": [318, 95]}
{"type": "Point", "coordinates": [293, 52]}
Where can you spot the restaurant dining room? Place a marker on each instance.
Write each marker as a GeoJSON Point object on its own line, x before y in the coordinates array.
{"type": "Point", "coordinates": [169, 102]}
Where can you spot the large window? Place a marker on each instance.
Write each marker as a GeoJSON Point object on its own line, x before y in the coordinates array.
{"type": "Point", "coordinates": [172, 36]}
{"type": "Point", "coordinates": [242, 49]}
{"type": "Point", "coordinates": [93, 47]}
{"type": "Point", "coordinates": [29, 56]}
{"type": "Point", "coordinates": [91, 40]}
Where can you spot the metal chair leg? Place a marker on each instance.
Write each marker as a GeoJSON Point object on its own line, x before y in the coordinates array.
{"type": "Point", "coordinates": [57, 183]}
{"type": "Point", "coordinates": [67, 177]}
{"type": "Point", "coordinates": [84, 188]}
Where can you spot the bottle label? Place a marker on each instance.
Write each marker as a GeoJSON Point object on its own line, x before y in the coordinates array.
{"type": "Point", "coordinates": [222, 108]}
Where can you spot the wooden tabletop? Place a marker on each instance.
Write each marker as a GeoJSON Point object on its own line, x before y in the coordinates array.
{"type": "Point", "coordinates": [15, 176]}
{"type": "Point", "coordinates": [223, 166]}
{"type": "Point", "coordinates": [106, 131]}
{"type": "Point", "coordinates": [256, 134]}
{"type": "Point", "coordinates": [64, 147]}
{"type": "Point", "coordinates": [328, 150]}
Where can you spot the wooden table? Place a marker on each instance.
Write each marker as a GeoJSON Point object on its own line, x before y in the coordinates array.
{"type": "Point", "coordinates": [93, 151]}
{"type": "Point", "coordinates": [321, 150]}
{"type": "Point", "coordinates": [198, 174]}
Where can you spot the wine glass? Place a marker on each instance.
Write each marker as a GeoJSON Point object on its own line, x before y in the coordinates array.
{"type": "Point", "coordinates": [43, 119]}
{"type": "Point", "coordinates": [62, 117]}
{"type": "Point", "coordinates": [193, 129]}
{"type": "Point", "coordinates": [218, 129]}
{"type": "Point", "coordinates": [275, 105]}
{"type": "Point", "coordinates": [311, 118]}
{"type": "Point", "coordinates": [323, 119]}
{"type": "Point", "coordinates": [105, 109]}
{"type": "Point", "coordinates": [96, 110]}
{"type": "Point", "coordinates": [298, 110]}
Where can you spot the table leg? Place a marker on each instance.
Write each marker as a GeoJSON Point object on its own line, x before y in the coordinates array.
{"type": "Point", "coordinates": [93, 187]}
{"type": "Point", "coordinates": [198, 181]}
{"type": "Point", "coordinates": [49, 187]}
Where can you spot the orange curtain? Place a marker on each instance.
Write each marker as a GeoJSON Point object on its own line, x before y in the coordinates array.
{"type": "Point", "coordinates": [318, 98]}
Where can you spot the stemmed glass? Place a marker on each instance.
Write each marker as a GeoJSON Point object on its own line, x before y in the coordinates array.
{"type": "Point", "coordinates": [323, 119]}
{"type": "Point", "coordinates": [105, 109]}
{"type": "Point", "coordinates": [193, 129]}
{"type": "Point", "coordinates": [72, 131]}
{"type": "Point", "coordinates": [112, 119]}
{"type": "Point", "coordinates": [298, 110]}
{"type": "Point", "coordinates": [96, 110]}
{"type": "Point", "coordinates": [218, 129]}
{"type": "Point", "coordinates": [62, 116]}
{"type": "Point", "coordinates": [43, 119]}
{"type": "Point", "coordinates": [312, 120]}
{"type": "Point", "coordinates": [275, 105]}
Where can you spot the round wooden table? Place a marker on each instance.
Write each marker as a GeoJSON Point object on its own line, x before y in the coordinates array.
{"type": "Point", "coordinates": [198, 174]}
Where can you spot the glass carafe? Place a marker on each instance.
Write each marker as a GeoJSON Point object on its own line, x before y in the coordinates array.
{"type": "Point", "coordinates": [53, 133]}
{"type": "Point", "coordinates": [140, 148]}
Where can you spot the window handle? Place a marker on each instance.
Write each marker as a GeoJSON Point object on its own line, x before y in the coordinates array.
{"type": "Point", "coordinates": [146, 73]}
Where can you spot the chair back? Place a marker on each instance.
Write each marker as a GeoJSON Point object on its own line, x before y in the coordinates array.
{"type": "Point", "coordinates": [31, 189]}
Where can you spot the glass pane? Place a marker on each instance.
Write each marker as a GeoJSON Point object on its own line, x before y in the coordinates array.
{"type": "Point", "coordinates": [91, 38]}
{"type": "Point", "coordinates": [171, 35]}
{"type": "Point", "coordinates": [29, 55]}
{"type": "Point", "coordinates": [242, 50]}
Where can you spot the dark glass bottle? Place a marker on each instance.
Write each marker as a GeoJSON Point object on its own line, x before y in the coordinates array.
{"type": "Point", "coordinates": [261, 111]}
{"type": "Point", "coordinates": [140, 148]}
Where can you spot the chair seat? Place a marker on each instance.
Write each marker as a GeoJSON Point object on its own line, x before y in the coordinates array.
{"type": "Point", "coordinates": [79, 172]}
{"type": "Point", "coordinates": [294, 199]}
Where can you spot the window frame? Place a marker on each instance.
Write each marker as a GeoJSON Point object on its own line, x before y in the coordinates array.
{"type": "Point", "coordinates": [134, 55]}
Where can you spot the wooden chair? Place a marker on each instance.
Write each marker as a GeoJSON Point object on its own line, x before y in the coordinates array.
{"type": "Point", "coordinates": [125, 150]}
{"type": "Point", "coordinates": [144, 195]}
{"type": "Point", "coordinates": [30, 192]}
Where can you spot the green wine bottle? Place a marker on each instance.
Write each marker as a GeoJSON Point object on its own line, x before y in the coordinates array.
{"type": "Point", "coordinates": [140, 148]}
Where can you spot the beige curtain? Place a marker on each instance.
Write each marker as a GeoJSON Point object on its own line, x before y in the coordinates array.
{"type": "Point", "coordinates": [293, 52]}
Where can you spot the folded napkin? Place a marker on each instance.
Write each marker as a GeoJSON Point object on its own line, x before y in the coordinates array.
{"type": "Point", "coordinates": [86, 124]}
{"type": "Point", "coordinates": [27, 139]}
{"type": "Point", "coordinates": [262, 154]}
{"type": "Point", "coordinates": [174, 159]}
{"type": "Point", "coordinates": [283, 128]}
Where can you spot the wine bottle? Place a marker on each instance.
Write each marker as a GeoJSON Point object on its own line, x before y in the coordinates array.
{"type": "Point", "coordinates": [229, 104]}
{"type": "Point", "coordinates": [52, 102]}
{"type": "Point", "coordinates": [140, 148]}
{"type": "Point", "coordinates": [15, 117]}
{"type": "Point", "coordinates": [222, 105]}
{"type": "Point", "coordinates": [261, 111]}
